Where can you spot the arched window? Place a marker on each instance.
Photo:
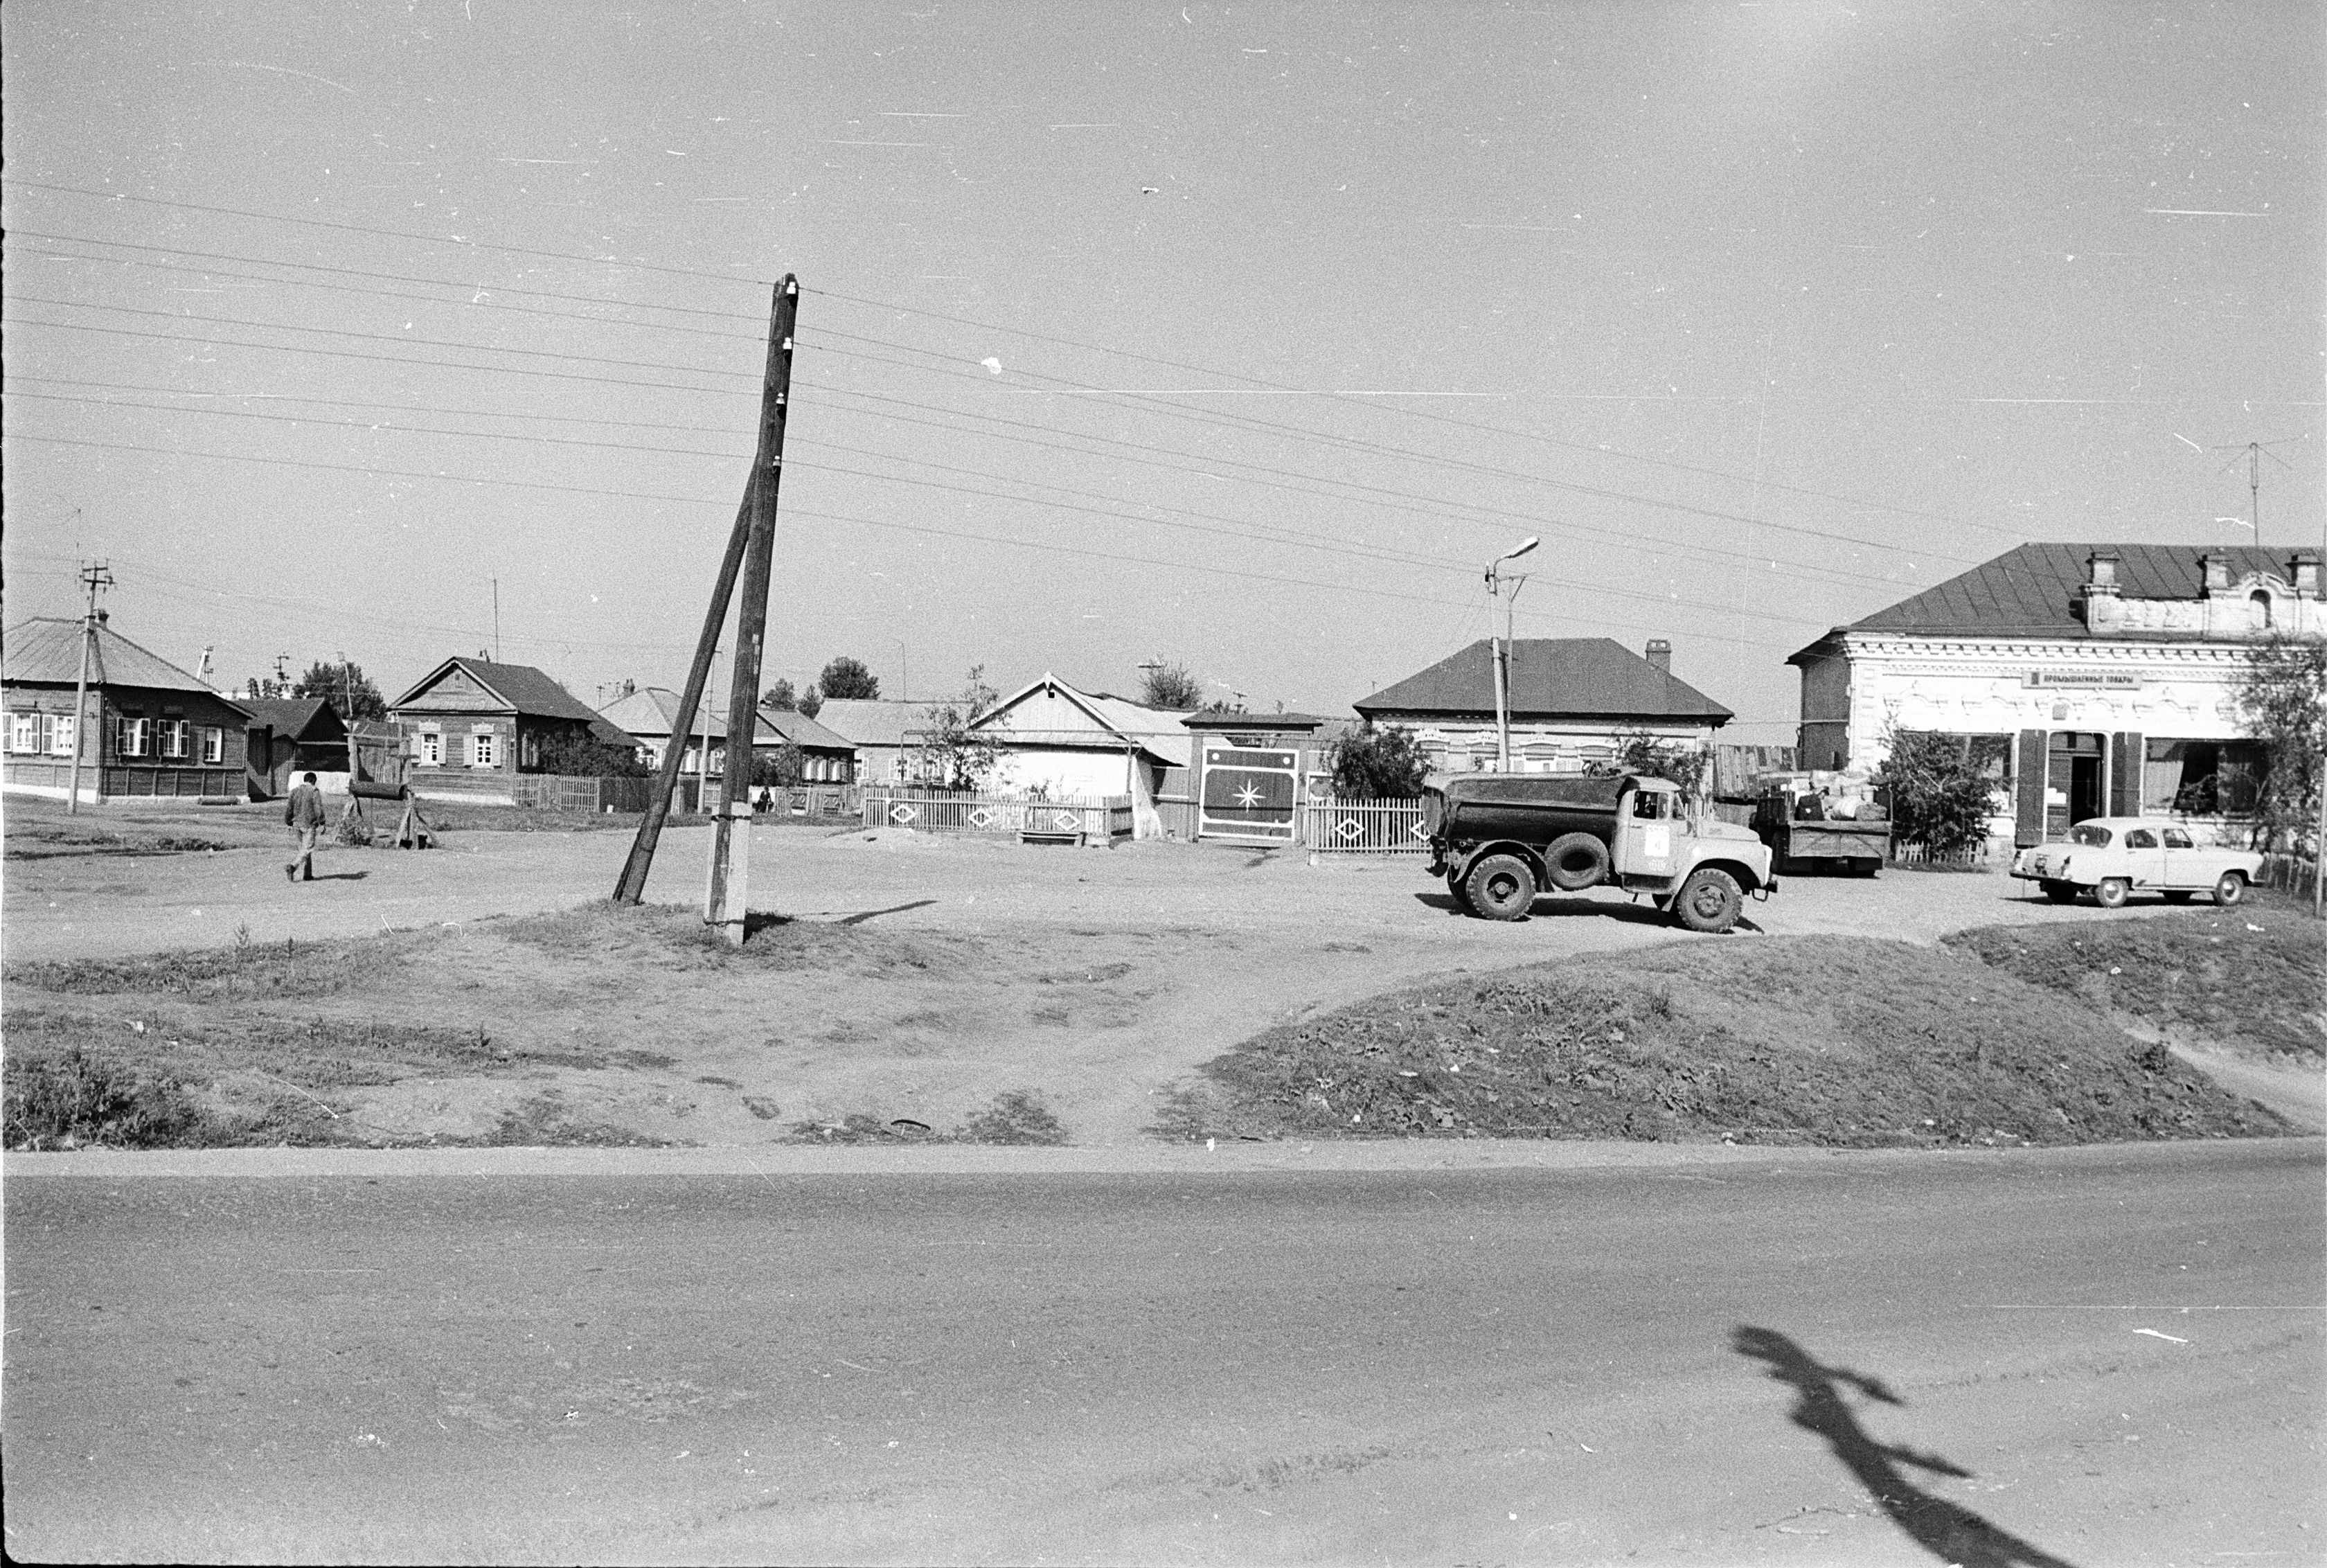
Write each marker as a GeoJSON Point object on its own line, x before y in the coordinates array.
{"type": "Point", "coordinates": [2260, 601]}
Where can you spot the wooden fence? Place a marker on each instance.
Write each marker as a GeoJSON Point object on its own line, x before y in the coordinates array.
{"type": "Point", "coordinates": [1102, 821]}
{"type": "Point", "coordinates": [1364, 827]}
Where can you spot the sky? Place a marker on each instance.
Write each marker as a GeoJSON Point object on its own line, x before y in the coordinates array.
{"type": "Point", "coordinates": [1238, 337]}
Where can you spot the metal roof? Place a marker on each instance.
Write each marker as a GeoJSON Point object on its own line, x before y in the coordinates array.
{"type": "Point", "coordinates": [790, 724]}
{"type": "Point", "coordinates": [646, 713]}
{"type": "Point", "coordinates": [291, 717]}
{"type": "Point", "coordinates": [2036, 589]}
{"type": "Point", "coordinates": [1550, 678]}
{"type": "Point", "coordinates": [875, 722]}
{"type": "Point", "coordinates": [525, 690]}
{"type": "Point", "coordinates": [47, 651]}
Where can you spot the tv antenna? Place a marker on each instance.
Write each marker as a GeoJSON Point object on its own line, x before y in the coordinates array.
{"type": "Point", "coordinates": [2255, 452]}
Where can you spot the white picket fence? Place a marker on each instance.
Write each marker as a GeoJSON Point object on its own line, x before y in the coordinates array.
{"type": "Point", "coordinates": [1364, 827]}
{"type": "Point", "coordinates": [1104, 820]}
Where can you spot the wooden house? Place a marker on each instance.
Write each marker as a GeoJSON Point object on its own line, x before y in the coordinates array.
{"type": "Point", "coordinates": [1064, 744]}
{"type": "Point", "coordinates": [155, 729]}
{"type": "Point", "coordinates": [471, 724]}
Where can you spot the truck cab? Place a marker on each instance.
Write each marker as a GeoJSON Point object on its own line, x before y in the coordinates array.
{"type": "Point", "coordinates": [1502, 839]}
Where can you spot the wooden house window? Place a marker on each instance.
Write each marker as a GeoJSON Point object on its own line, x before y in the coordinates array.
{"type": "Point", "coordinates": [432, 748]}
{"type": "Point", "coordinates": [173, 737]}
{"type": "Point", "coordinates": [484, 748]}
{"type": "Point", "coordinates": [24, 732]}
{"type": "Point", "coordinates": [528, 746]}
{"type": "Point", "coordinates": [133, 737]}
{"type": "Point", "coordinates": [213, 744]}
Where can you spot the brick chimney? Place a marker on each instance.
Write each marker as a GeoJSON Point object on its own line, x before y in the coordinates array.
{"type": "Point", "coordinates": [1660, 655]}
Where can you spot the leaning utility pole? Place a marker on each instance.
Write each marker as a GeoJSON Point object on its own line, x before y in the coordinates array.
{"type": "Point", "coordinates": [96, 576]}
{"type": "Point", "coordinates": [725, 902]}
{"type": "Point", "coordinates": [750, 548]}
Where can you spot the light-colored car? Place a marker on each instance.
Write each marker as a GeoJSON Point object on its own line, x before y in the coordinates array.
{"type": "Point", "coordinates": [2114, 857]}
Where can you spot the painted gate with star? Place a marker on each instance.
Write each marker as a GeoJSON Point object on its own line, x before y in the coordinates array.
{"type": "Point", "coordinates": [1248, 793]}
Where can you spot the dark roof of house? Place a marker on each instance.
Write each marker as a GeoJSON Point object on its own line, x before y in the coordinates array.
{"type": "Point", "coordinates": [1550, 678]}
{"type": "Point", "coordinates": [2037, 589]}
{"type": "Point", "coordinates": [293, 716]}
{"type": "Point", "coordinates": [47, 650]}
{"type": "Point", "coordinates": [801, 731]}
{"type": "Point", "coordinates": [1215, 719]}
{"type": "Point", "coordinates": [526, 689]}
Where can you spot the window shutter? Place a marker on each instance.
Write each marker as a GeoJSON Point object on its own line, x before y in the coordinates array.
{"type": "Point", "coordinates": [2028, 804]}
{"type": "Point", "coordinates": [2124, 774]}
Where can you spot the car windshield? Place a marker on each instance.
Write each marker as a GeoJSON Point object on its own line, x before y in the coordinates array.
{"type": "Point", "coordinates": [2091, 835]}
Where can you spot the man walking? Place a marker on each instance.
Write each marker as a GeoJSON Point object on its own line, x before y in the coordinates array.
{"type": "Point", "coordinates": [304, 812]}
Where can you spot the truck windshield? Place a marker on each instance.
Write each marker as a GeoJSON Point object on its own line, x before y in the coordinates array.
{"type": "Point", "coordinates": [2090, 833]}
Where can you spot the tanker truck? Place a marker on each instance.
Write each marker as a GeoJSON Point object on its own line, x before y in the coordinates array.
{"type": "Point", "coordinates": [1500, 839]}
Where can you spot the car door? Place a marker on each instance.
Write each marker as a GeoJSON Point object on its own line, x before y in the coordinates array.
{"type": "Point", "coordinates": [2144, 858]}
{"type": "Point", "coordinates": [2185, 863]}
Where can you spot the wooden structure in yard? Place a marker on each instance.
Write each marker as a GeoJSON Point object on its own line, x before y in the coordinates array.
{"type": "Point", "coordinates": [472, 727]}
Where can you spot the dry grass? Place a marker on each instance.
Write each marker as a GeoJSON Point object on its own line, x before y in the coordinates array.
{"type": "Point", "coordinates": [2252, 978]}
{"type": "Point", "coordinates": [1792, 1041]}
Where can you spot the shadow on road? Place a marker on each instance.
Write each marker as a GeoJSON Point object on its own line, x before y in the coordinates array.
{"type": "Point", "coordinates": [1949, 1533]}
{"type": "Point", "coordinates": [1559, 909]}
{"type": "Point", "coordinates": [863, 915]}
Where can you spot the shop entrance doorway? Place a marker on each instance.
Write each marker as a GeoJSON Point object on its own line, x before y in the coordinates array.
{"type": "Point", "coordinates": [2072, 780]}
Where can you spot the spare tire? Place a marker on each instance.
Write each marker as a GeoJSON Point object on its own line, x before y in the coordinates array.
{"type": "Point", "coordinates": [1576, 861]}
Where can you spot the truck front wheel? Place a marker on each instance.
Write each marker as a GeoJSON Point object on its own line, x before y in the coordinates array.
{"type": "Point", "coordinates": [1500, 888]}
{"type": "Point", "coordinates": [1708, 900]}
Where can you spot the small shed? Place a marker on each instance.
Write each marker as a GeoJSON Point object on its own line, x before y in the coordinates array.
{"type": "Point", "coordinates": [1249, 773]}
{"type": "Point", "coordinates": [290, 736]}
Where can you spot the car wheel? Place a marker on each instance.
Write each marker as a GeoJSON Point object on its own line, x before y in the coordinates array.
{"type": "Point", "coordinates": [1708, 900]}
{"type": "Point", "coordinates": [2230, 889]}
{"type": "Point", "coordinates": [2060, 892]}
{"type": "Point", "coordinates": [2178, 895]}
{"type": "Point", "coordinates": [1501, 888]}
{"type": "Point", "coordinates": [2111, 892]}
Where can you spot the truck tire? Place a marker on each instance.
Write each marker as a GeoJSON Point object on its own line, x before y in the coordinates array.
{"type": "Point", "coordinates": [1500, 888]}
{"type": "Point", "coordinates": [1461, 898]}
{"type": "Point", "coordinates": [1576, 861]}
{"type": "Point", "coordinates": [1708, 901]}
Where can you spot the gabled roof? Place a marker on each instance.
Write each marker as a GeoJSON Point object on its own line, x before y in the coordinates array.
{"type": "Point", "coordinates": [1550, 678]}
{"type": "Point", "coordinates": [789, 724]}
{"type": "Point", "coordinates": [525, 690]}
{"type": "Point", "coordinates": [646, 713]}
{"type": "Point", "coordinates": [1156, 731]}
{"type": "Point", "coordinates": [2035, 589]}
{"type": "Point", "coordinates": [872, 721]}
{"type": "Point", "coordinates": [47, 651]}
{"type": "Point", "coordinates": [299, 718]}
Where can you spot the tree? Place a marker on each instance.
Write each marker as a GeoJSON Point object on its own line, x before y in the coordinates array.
{"type": "Point", "coordinates": [781, 766]}
{"type": "Point", "coordinates": [848, 678]}
{"type": "Point", "coordinates": [351, 691]}
{"type": "Point", "coordinates": [1654, 757]}
{"type": "Point", "coordinates": [958, 756]}
{"type": "Point", "coordinates": [1939, 790]}
{"type": "Point", "coordinates": [810, 701]}
{"type": "Point", "coordinates": [2282, 695]}
{"type": "Point", "coordinates": [578, 754]}
{"type": "Point", "coordinates": [779, 696]}
{"type": "Point", "coordinates": [1172, 686]}
{"type": "Point", "coordinates": [1370, 763]}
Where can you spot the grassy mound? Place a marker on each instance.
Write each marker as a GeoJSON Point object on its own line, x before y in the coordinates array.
{"type": "Point", "coordinates": [2252, 977]}
{"type": "Point", "coordinates": [1842, 1042]}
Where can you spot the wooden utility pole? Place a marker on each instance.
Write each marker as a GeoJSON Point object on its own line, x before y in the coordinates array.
{"type": "Point", "coordinates": [632, 886]}
{"type": "Point", "coordinates": [96, 576]}
{"type": "Point", "coordinates": [726, 899]}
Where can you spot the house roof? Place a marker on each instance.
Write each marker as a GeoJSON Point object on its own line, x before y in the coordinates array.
{"type": "Point", "coordinates": [646, 713]}
{"type": "Point", "coordinates": [789, 724]}
{"type": "Point", "coordinates": [1550, 678]}
{"type": "Point", "coordinates": [872, 721]}
{"type": "Point", "coordinates": [1156, 731]}
{"type": "Point", "coordinates": [2037, 589]}
{"type": "Point", "coordinates": [293, 717]}
{"type": "Point", "coordinates": [527, 691]}
{"type": "Point", "coordinates": [1218, 719]}
{"type": "Point", "coordinates": [46, 651]}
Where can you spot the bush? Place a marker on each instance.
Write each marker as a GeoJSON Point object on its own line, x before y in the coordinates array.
{"type": "Point", "coordinates": [1372, 763]}
{"type": "Point", "coordinates": [1938, 790]}
{"type": "Point", "coordinates": [77, 1098]}
{"type": "Point", "coordinates": [573, 755]}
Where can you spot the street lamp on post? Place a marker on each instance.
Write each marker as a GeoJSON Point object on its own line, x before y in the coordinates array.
{"type": "Point", "coordinates": [1503, 647]}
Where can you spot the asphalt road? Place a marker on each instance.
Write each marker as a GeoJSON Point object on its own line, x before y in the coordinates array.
{"type": "Point", "coordinates": [2098, 1357]}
